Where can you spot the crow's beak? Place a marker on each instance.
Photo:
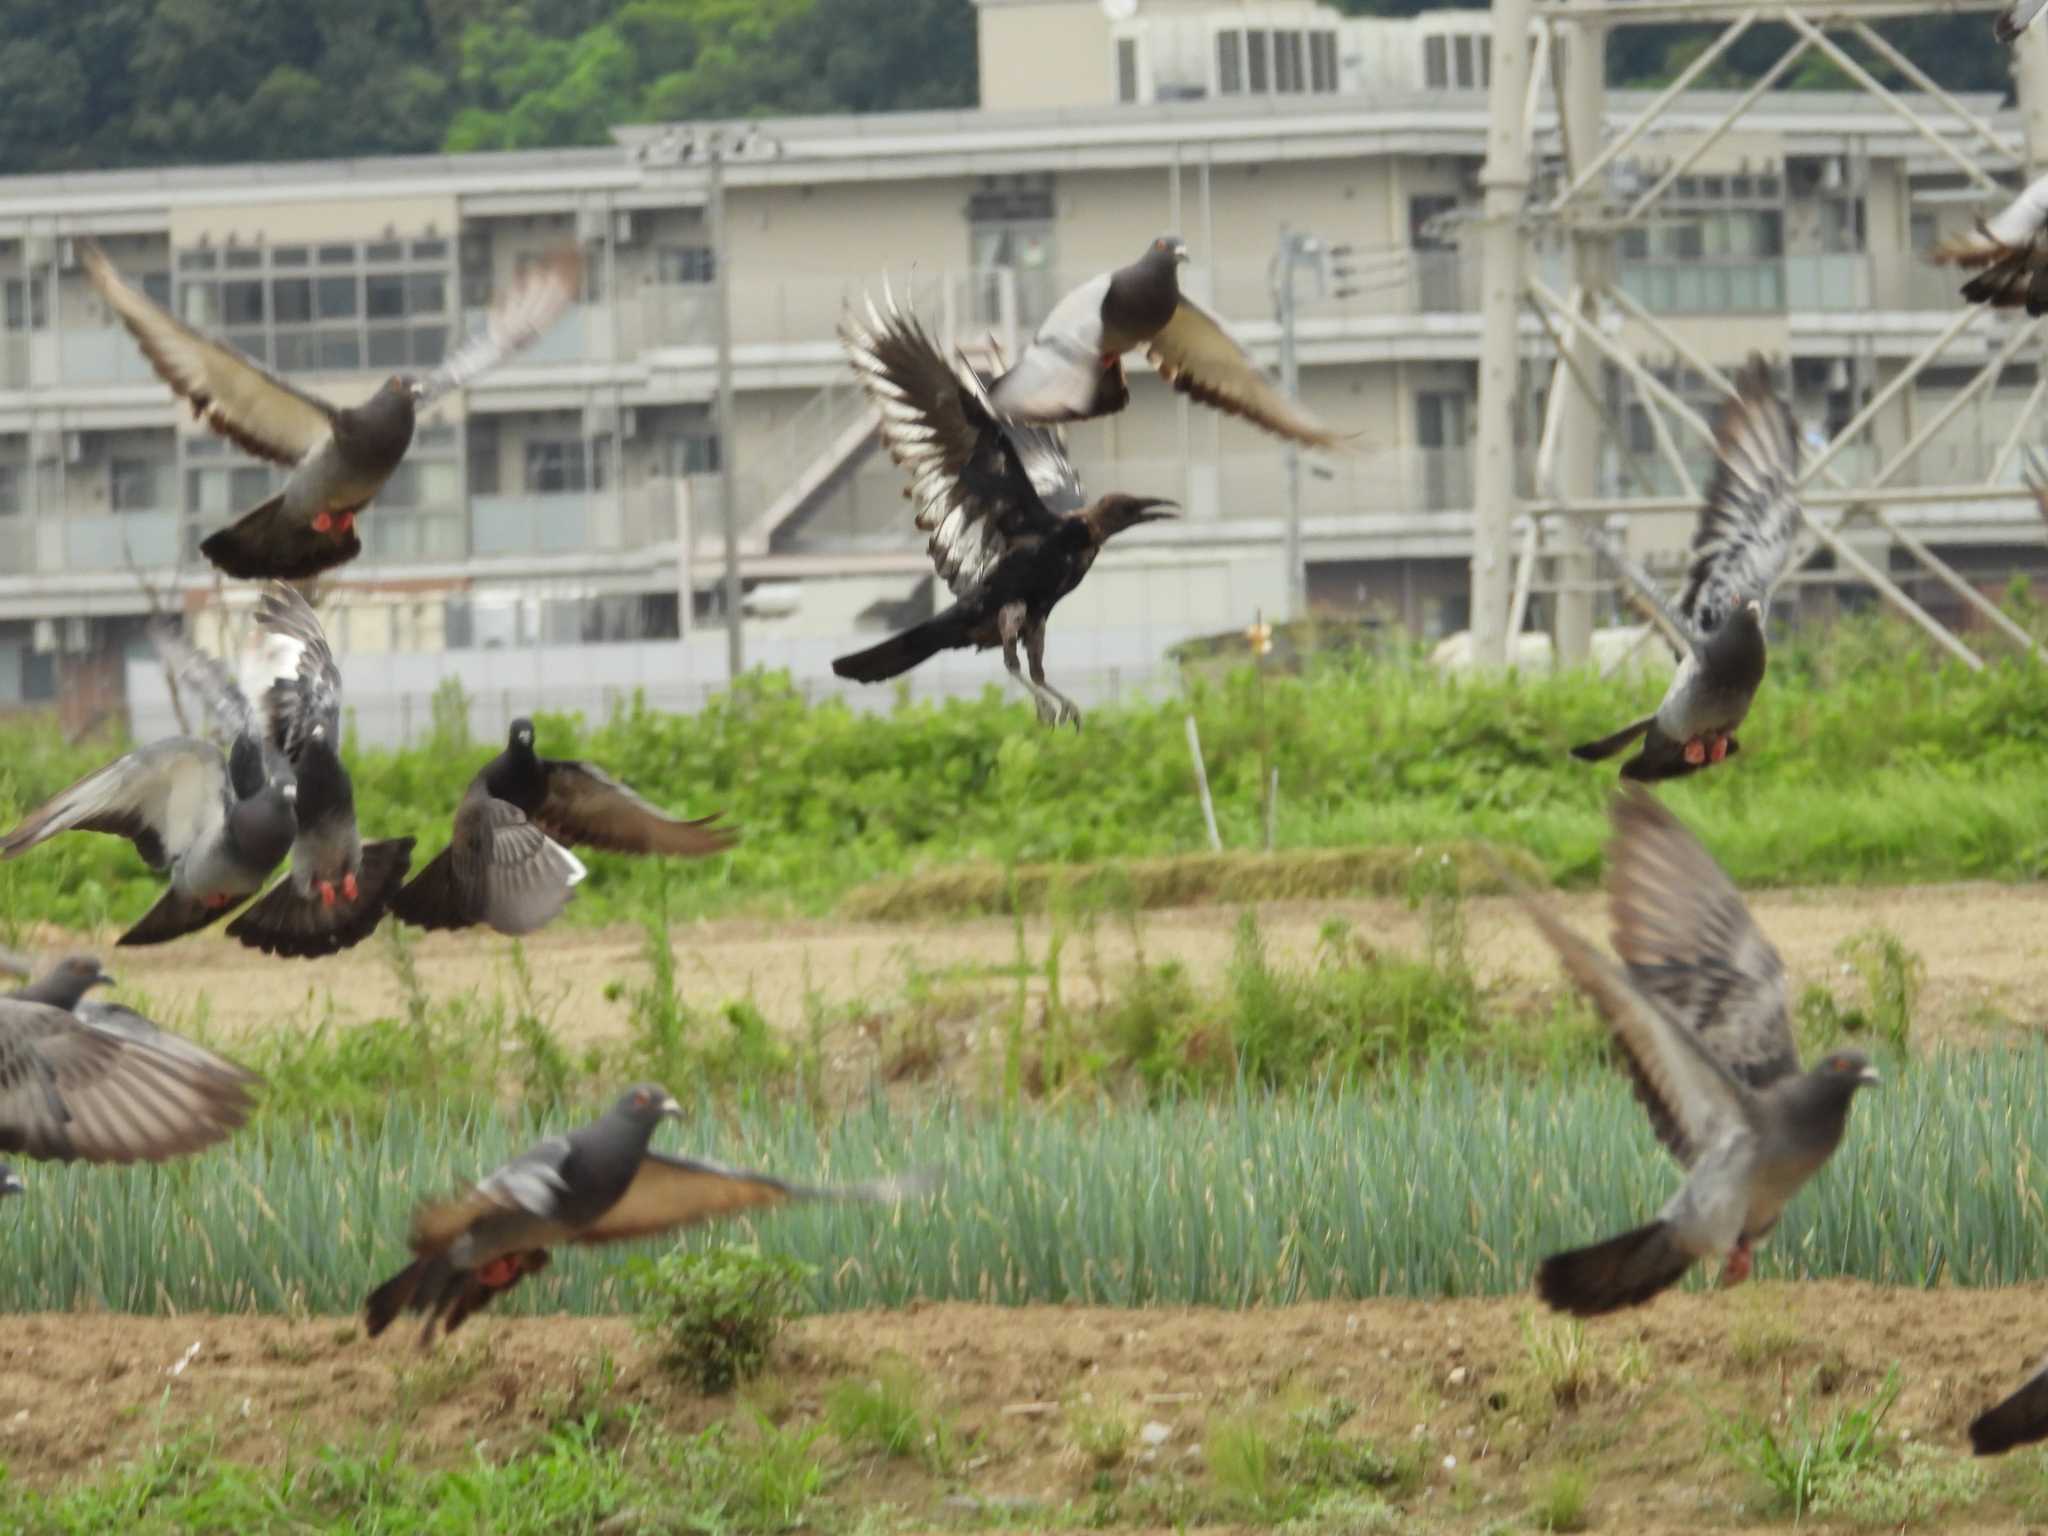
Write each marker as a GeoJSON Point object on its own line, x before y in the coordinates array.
{"type": "Point", "coordinates": [1869, 1075]}
{"type": "Point", "coordinates": [670, 1109]}
{"type": "Point", "coordinates": [1149, 511]}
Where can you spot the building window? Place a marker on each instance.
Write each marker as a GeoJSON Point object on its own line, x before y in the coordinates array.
{"type": "Point", "coordinates": [25, 306]}
{"type": "Point", "coordinates": [1423, 211]}
{"type": "Point", "coordinates": [685, 264]}
{"type": "Point", "coordinates": [1127, 69]}
{"type": "Point", "coordinates": [10, 490]}
{"type": "Point", "coordinates": [1010, 225]}
{"type": "Point", "coordinates": [694, 452]}
{"type": "Point", "coordinates": [1440, 418]}
{"type": "Point", "coordinates": [560, 466]}
{"type": "Point", "coordinates": [1256, 76]}
{"type": "Point", "coordinates": [1322, 62]}
{"type": "Point", "coordinates": [133, 484]}
{"type": "Point", "coordinates": [1229, 63]}
{"type": "Point", "coordinates": [1287, 71]}
{"type": "Point", "coordinates": [1436, 69]}
{"type": "Point", "coordinates": [384, 303]}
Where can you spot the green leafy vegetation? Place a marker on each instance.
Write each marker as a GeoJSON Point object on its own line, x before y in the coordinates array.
{"type": "Point", "coordinates": [715, 1313]}
{"type": "Point", "coordinates": [1865, 759]}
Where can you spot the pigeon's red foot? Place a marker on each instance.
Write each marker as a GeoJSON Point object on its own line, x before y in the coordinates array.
{"type": "Point", "coordinates": [1696, 751]}
{"type": "Point", "coordinates": [215, 903]}
{"type": "Point", "coordinates": [499, 1273]}
{"type": "Point", "coordinates": [1719, 749]}
{"type": "Point", "coordinates": [348, 887]}
{"type": "Point", "coordinates": [326, 890]}
{"type": "Point", "coordinates": [1735, 1268]}
{"type": "Point", "coordinates": [344, 525]}
{"type": "Point", "coordinates": [1110, 360]}
{"type": "Point", "coordinates": [322, 523]}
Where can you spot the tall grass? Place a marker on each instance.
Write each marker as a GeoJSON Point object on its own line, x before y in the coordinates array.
{"type": "Point", "coordinates": [1866, 758]}
{"type": "Point", "coordinates": [1450, 1182]}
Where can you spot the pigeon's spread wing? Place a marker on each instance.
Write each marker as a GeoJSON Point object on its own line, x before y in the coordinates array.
{"type": "Point", "coordinates": [207, 680]}
{"type": "Point", "coordinates": [1198, 357]}
{"type": "Point", "coordinates": [240, 400]}
{"type": "Point", "coordinates": [975, 492]}
{"type": "Point", "coordinates": [2015, 19]}
{"type": "Point", "coordinates": [163, 798]}
{"type": "Point", "coordinates": [671, 1192]}
{"type": "Point", "coordinates": [304, 927]}
{"type": "Point", "coordinates": [2008, 253]}
{"type": "Point", "coordinates": [1752, 512]}
{"type": "Point", "coordinates": [586, 805]}
{"type": "Point", "coordinates": [1690, 1098]}
{"type": "Point", "coordinates": [109, 1087]}
{"type": "Point", "coordinates": [1688, 941]}
{"type": "Point", "coordinates": [536, 301]}
{"type": "Point", "coordinates": [528, 876]}
{"type": "Point", "coordinates": [531, 1183]}
{"type": "Point", "coordinates": [310, 695]}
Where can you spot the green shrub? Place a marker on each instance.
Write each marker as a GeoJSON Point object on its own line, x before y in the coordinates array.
{"type": "Point", "coordinates": [715, 1314]}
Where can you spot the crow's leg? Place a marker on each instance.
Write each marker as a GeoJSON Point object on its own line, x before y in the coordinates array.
{"type": "Point", "coordinates": [1010, 625]}
{"type": "Point", "coordinates": [1034, 647]}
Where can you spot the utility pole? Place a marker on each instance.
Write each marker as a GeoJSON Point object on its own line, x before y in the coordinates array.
{"type": "Point", "coordinates": [1286, 259]}
{"type": "Point", "coordinates": [2030, 81]}
{"type": "Point", "coordinates": [1506, 180]}
{"type": "Point", "coordinates": [1296, 251]}
{"type": "Point", "coordinates": [728, 498]}
{"type": "Point", "coordinates": [1579, 426]}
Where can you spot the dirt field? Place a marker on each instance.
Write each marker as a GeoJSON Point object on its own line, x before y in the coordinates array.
{"type": "Point", "coordinates": [1984, 947]}
{"type": "Point", "coordinates": [1450, 1383]}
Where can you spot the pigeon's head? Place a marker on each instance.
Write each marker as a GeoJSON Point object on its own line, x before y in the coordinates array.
{"type": "Point", "coordinates": [521, 737]}
{"type": "Point", "coordinates": [407, 387]}
{"type": "Point", "coordinates": [1837, 1076]}
{"type": "Point", "coordinates": [79, 974]}
{"type": "Point", "coordinates": [1170, 247]}
{"type": "Point", "coordinates": [1116, 512]}
{"type": "Point", "coordinates": [647, 1104]}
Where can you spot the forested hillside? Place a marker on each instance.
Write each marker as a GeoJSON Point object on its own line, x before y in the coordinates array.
{"type": "Point", "coordinates": [100, 83]}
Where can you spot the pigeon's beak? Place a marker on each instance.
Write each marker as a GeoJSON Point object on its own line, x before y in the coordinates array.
{"type": "Point", "coordinates": [1180, 253]}
{"type": "Point", "coordinates": [1869, 1075]}
{"type": "Point", "coordinates": [670, 1109]}
{"type": "Point", "coordinates": [103, 979]}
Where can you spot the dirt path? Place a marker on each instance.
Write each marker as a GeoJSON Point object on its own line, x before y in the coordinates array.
{"type": "Point", "coordinates": [1456, 1391]}
{"type": "Point", "coordinates": [1985, 948]}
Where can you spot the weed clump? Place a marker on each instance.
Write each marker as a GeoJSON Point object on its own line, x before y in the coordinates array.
{"type": "Point", "coordinates": [715, 1315]}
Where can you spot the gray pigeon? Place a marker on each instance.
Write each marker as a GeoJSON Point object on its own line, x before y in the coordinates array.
{"type": "Point", "coordinates": [216, 823]}
{"type": "Point", "coordinates": [339, 886]}
{"type": "Point", "coordinates": [99, 1082]}
{"type": "Point", "coordinates": [10, 1181]}
{"type": "Point", "coordinates": [1011, 532]}
{"type": "Point", "coordinates": [1744, 538]}
{"type": "Point", "coordinates": [339, 457]}
{"type": "Point", "coordinates": [498, 869]}
{"type": "Point", "coordinates": [578, 802]}
{"type": "Point", "coordinates": [64, 984]}
{"type": "Point", "coordinates": [1073, 370]}
{"type": "Point", "coordinates": [1702, 1016]}
{"type": "Point", "coordinates": [598, 1184]}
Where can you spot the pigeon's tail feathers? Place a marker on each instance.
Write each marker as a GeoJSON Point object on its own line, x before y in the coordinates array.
{"type": "Point", "coordinates": [2021, 1419]}
{"type": "Point", "coordinates": [395, 1295]}
{"type": "Point", "coordinates": [1607, 746]}
{"type": "Point", "coordinates": [2014, 281]}
{"type": "Point", "coordinates": [264, 542]}
{"type": "Point", "coordinates": [306, 927]}
{"type": "Point", "coordinates": [174, 916]}
{"type": "Point", "coordinates": [899, 653]}
{"type": "Point", "coordinates": [1624, 1271]}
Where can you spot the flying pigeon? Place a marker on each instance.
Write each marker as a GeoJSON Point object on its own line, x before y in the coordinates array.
{"type": "Point", "coordinates": [99, 1082]}
{"type": "Point", "coordinates": [1073, 370]}
{"type": "Point", "coordinates": [2008, 254]}
{"type": "Point", "coordinates": [338, 457]}
{"type": "Point", "coordinates": [216, 823]}
{"type": "Point", "coordinates": [499, 869]}
{"type": "Point", "coordinates": [64, 984]}
{"type": "Point", "coordinates": [1010, 533]}
{"type": "Point", "coordinates": [598, 1184]}
{"type": "Point", "coordinates": [1701, 1012]}
{"type": "Point", "coordinates": [1744, 539]}
{"type": "Point", "coordinates": [577, 802]}
{"type": "Point", "coordinates": [10, 1181]}
{"type": "Point", "coordinates": [339, 887]}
